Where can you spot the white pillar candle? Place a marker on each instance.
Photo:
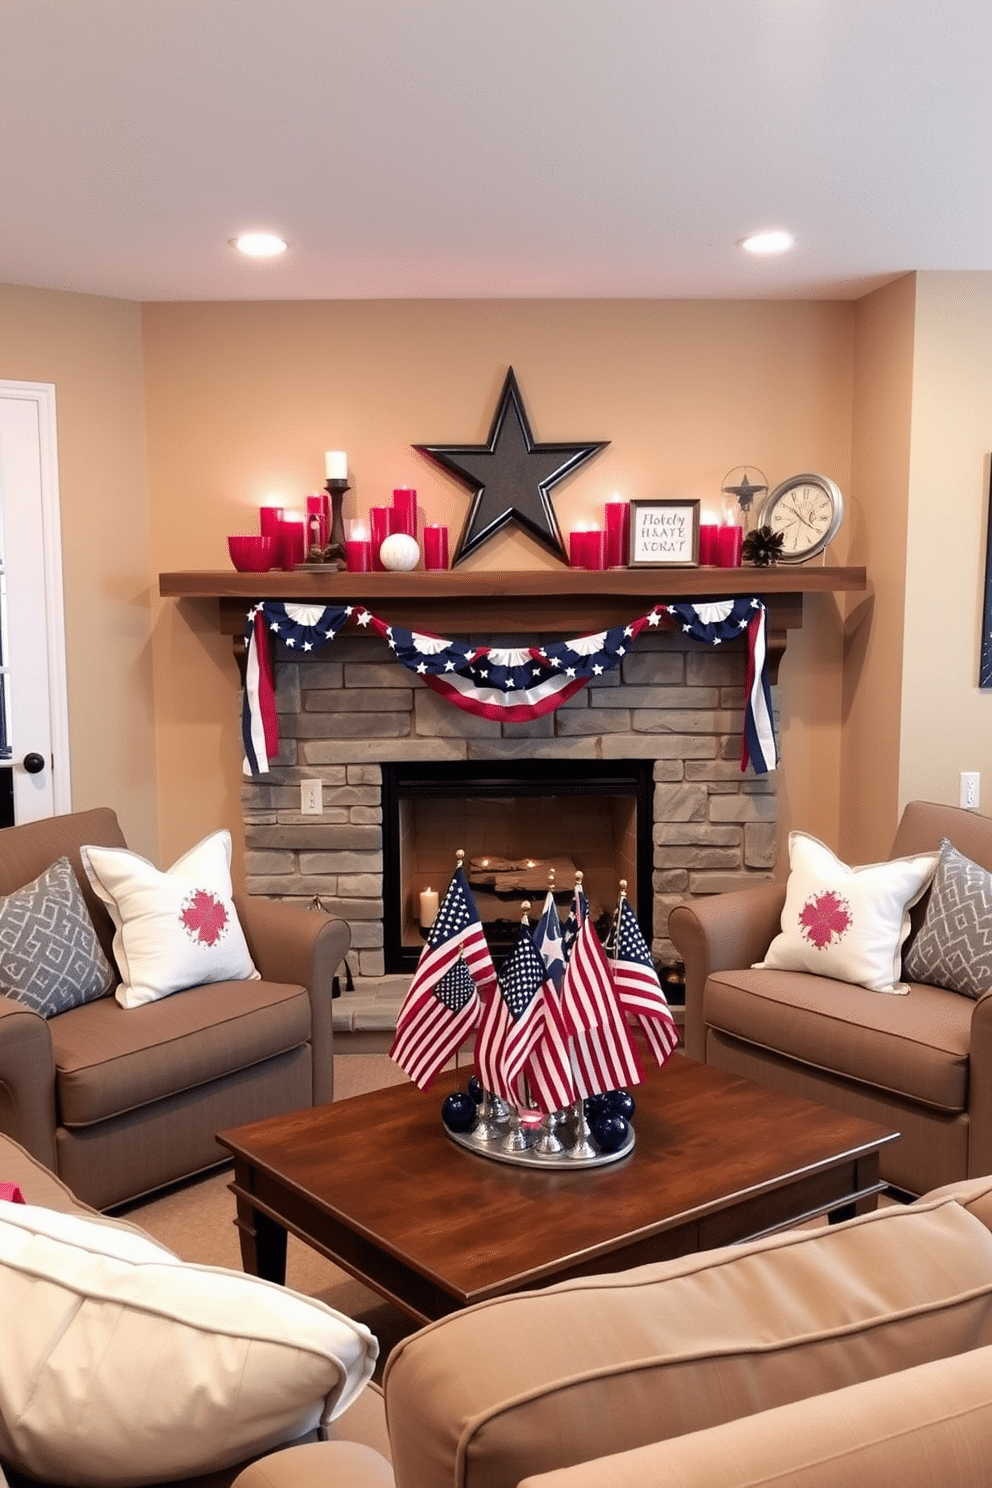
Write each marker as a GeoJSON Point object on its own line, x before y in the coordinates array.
{"type": "Point", "coordinates": [428, 908]}
{"type": "Point", "coordinates": [335, 465]}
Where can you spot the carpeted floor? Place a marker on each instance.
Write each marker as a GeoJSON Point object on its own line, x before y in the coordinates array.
{"type": "Point", "coordinates": [196, 1220]}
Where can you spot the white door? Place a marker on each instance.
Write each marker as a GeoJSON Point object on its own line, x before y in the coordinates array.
{"type": "Point", "coordinates": [34, 742]}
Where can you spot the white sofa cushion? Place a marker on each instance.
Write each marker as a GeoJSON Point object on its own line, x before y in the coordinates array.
{"type": "Point", "coordinates": [122, 1365]}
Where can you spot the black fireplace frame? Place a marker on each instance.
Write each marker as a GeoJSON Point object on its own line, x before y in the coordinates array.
{"type": "Point", "coordinates": [494, 779]}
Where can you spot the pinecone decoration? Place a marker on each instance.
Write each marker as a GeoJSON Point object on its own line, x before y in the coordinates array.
{"type": "Point", "coordinates": [763, 547]}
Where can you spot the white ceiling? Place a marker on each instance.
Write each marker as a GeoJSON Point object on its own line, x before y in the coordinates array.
{"type": "Point", "coordinates": [448, 148]}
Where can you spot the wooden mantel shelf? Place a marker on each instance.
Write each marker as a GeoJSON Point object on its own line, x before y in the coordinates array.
{"type": "Point", "coordinates": [565, 601]}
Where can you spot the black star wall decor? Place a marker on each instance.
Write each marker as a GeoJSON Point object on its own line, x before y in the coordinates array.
{"type": "Point", "coordinates": [510, 476]}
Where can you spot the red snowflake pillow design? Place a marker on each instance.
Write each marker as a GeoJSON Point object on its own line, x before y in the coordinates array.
{"type": "Point", "coordinates": [204, 917]}
{"type": "Point", "coordinates": [825, 919]}
{"type": "Point", "coordinates": [174, 928]}
{"type": "Point", "coordinates": [847, 923]}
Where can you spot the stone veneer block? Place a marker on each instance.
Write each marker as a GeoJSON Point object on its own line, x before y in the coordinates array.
{"type": "Point", "coordinates": [358, 700]}
{"type": "Point", "coordinates": [594, 721]}
{"type": "Point", "coordinates": [437, 719]}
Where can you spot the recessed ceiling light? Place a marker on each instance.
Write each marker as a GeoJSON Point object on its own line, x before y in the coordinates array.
{"type": "Point", "coordinates": [774, 241]}
{"type": "Point", "coordinates": [259, 244]}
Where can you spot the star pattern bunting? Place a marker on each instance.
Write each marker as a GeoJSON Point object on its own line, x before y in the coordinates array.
{"type": "Point", "coordinates": [511, 476]}
{"type": "Point", "coordinates": [496, 682]}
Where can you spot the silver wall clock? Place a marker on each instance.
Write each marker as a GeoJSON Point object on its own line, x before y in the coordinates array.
{"type": "Point", "coordinates": [807, 510]}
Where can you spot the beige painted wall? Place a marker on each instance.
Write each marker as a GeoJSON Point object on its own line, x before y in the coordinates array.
{"type": "Point", "coordinates": [242, 400]}
{"type": "Point", "coordinates": [946, 723]}
{"type": "Point", "coordinates": [90, 348]}
{"type": "Point", "coordinates": [876, 526]}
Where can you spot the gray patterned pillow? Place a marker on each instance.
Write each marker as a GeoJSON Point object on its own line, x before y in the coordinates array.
{"type": "Point", "coordinates": [953, 946]}
{"type": "Point", "coordinates": [50, 956]}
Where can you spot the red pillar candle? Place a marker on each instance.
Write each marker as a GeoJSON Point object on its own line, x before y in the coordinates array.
{"type": "Point", "coordinates": [730, 541]}
{"type": "Point", "coordinates": [292, 543]}
{"type": "Point", "coordinates": [435, 547]}
{"type": "Point", "coordinates": [269, 518]}
{"type": "Point", "coordinates": [578, 548]}
{"type": "Point", "coordinates": [617, 534]}
{"type": "Point", "coordinates": [358, 552]}
{"type": "Point", "coordinates": [709, 551]}
{"type": "Point", "coordinates": [381, 524]}
{"type": "Point", "coordinates": [596, 548]}
{"type": "Point", "coordinates": [317, 506]}
{"type": "Point", "coordinates": [405, 510]}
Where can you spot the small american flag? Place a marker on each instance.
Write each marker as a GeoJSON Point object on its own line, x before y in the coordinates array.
{"type": "Point", "coordinates": [434, 1019]}
{"type": "Point", "coordinates": [638, 987]}
{"type": "Point", "coordinates": [576, 915]}
{"type": "Point", "coordinates": [548, 939]}
{"type": "Point", "coordinates": [513, 1019]}
{"type": "Point", "coordinates": [604, 1054]}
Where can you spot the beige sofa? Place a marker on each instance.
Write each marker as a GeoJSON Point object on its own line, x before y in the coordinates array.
{"type": "Point", "coordinates": [919, 1064]}
{"type": "Point", "coordinates": [815, 1357]}
{"type": "Point", "coordinates": [119, 1102]}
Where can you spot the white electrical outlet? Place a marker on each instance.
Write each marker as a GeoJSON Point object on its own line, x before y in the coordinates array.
{"type": "Point", "coordinates": [311, 797]}
{"type": "Point", "coordinates": [971, 789]}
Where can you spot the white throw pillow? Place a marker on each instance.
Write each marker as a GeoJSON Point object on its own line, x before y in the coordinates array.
{"type": "Point", "coordinates": [175, 929]}
{"type": "Point", "coordinates": [847, 923]}
{"type": "Point", "coordinates": [123, 1365]}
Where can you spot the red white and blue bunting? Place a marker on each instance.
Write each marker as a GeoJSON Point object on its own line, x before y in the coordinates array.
{"type": "Point", "coordinates": [511, 684]}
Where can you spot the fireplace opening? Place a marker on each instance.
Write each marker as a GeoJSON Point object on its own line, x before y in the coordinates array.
{"type": "Point", "coordinates": [515, 821]}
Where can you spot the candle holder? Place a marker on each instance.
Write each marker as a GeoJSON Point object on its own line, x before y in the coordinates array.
{"type": "Point", "coordinates": [333, 554]}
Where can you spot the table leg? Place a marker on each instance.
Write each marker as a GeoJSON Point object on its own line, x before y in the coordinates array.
{"type": "Point", "coordinates": [263, 1239]}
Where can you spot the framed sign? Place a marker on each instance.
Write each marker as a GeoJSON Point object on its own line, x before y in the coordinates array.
{"type": "Point", "coordinates": [664, 534]}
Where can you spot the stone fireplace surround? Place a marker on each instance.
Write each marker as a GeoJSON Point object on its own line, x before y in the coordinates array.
{"type": "Point", "coordinates": [351, 708]}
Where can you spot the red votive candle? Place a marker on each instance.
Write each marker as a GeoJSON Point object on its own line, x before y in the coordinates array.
{"type": "Point", "coordinates": [435, 547]}
{"type": "Point", "coordinates": [709, 550]}
{"type": "Point", "coordinates": [358, 553]}
{"type": "Point", "coordinates": [617, 534]}
{"type": "Point", "coordinates": [405, 510]}
{"type": "Point", "coordinates": [269, 518]}
{"type": "Point", "coordinates": [292, 543]}
{"type": "Point", "coordinates": [730, 541]}
{"type": "Point", "coordinates": [381, 524]}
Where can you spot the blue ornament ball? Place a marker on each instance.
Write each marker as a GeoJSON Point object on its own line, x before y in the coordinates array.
{"type": "Point", "coordinates": [458, 1111]}
{"type": "Point", "coordinates": [595, 1106]}
{"type": "Point", "coordinates": [621, 1103]}
{"type": "Point", "coordinates": [609, 1132]}
{"type": "Point", "coordinates": [475, 1089]}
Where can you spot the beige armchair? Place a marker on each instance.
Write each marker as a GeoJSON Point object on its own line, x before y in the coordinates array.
{"type": "Point", "coordinates": [121, 1101]}
{"type": "Point", "coordinates": [920, 1064]}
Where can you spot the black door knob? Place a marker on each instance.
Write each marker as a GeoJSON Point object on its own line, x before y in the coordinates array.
{"type": "Point", "coordinates": [34, 763]}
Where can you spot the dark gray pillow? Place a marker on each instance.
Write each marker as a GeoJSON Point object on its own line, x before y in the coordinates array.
{"type": "Point", "coordinates": [953, 946]}
{"type": "Point", "coordinates": [50, 956]}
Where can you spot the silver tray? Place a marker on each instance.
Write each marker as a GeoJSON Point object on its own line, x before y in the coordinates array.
{"type": "Point", "coordinates": [560, 1162]}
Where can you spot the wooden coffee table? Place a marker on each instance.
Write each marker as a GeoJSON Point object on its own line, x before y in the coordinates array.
{"type": "Point", "coordinates": [375, 1184]}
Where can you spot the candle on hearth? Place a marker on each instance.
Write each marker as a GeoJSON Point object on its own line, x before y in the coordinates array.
{"type": "Point", "coordinates": [435, 547]}
{"type": "Point", "coordinates": [617, 533]}
{"type": "Point", "coordinates": [405, 510]}
{"type": "Point", "coordinates": [708, 545]}
{"type": "Point", "coordinates": [335, 465]}
{"type": "Point", "coordinates": [428, 908]}
{"type": "Point", "coordinates": [730, 541]}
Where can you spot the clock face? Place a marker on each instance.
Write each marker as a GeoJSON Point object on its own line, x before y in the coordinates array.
{"type": "Point", "coordinates": [806, 510]}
